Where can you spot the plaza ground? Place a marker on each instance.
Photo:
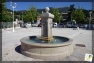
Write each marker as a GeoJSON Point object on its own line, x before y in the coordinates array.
{"type": "Point", "coordinates": [11, 43]}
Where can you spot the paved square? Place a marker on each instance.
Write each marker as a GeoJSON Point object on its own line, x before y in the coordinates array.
{"type": "Point", "coordinates": [11, 43]}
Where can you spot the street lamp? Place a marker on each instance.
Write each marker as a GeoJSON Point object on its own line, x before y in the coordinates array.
{"type": "Point", "coordinates": [13, 6]}
{"type": "Point", "coordinates": [90, 19]}
{"type": "Point", "coordinates": [22, 16]}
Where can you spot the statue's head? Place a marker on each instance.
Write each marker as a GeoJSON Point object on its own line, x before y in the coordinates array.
{"type": "Point", "coordinates": [47, 9]}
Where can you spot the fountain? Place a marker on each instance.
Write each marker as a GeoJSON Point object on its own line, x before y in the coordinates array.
{"type": "Point", "coordinates": [46, 46]}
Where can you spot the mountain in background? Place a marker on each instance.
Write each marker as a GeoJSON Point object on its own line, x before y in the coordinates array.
{"type": "Point", "coordinates": [63, 9]}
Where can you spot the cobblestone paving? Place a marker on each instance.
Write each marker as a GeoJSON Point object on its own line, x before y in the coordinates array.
{"type": "Point", "coordinates": [11, 43]}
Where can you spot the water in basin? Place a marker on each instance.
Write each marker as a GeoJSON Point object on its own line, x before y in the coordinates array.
{"type": "Point", "coordinates": [57, 39]}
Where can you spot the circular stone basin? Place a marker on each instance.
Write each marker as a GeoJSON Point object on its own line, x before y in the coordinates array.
{"type": "Point", "coordinates": [33, 47]}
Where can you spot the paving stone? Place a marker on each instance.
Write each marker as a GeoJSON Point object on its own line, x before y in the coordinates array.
{"type": "Point", "coordinates": [11, 40]}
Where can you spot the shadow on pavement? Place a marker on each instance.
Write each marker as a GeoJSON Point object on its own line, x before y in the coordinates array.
{"type": "Point", "coordinates": [17, 49]}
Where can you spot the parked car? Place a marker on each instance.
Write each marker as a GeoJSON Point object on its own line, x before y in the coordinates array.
{"type": "Point", "coordinates": [28, 25]}
{"type": "Point", "coordinates": [71, 24]}
{"type": "Point", "coordinates": [24, 25]}
{"type": "Point", "coordinates": [74, 26]}
{"type": "Point", "coordinates": [34, 25]}
{"type": "Point", "coordinates": [82, 25]}
{"type": "Point", "coordinates": [61, 25]}
{"type": "Point", "coordinates": [55, 25]}
{"type": "Point", "coordinates": [92, 26]}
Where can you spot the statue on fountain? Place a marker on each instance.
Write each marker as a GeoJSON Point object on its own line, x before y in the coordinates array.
{"type": "Point", "coordinates": [46, 30]}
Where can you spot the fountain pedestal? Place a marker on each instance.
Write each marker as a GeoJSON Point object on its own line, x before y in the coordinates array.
{"type": "Point", "coordinates": [46, 31]}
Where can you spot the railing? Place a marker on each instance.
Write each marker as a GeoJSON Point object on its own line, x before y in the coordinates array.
{"type": "Point", "coordinates": [4, 25]}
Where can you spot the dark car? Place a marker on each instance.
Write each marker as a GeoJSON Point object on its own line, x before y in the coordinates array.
{"type": "Point", "coordinates": [74, 26]}
{"type": "Point", "coordinates": [61, 25]}
{"type": "Point", "coordinates": [82, 25]}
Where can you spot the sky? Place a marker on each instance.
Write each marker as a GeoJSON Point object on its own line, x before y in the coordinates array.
{"type": "Point", "coordinates": [42, 5]}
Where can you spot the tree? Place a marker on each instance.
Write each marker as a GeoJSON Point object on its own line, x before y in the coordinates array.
{"type": "Point", "coordinates": [87, 20]}
{"type": "Point", "coordinates": [70, 12]}
{"type": "Point", "coordinates": [26, 17]}
{"type": "Point", "coordinates": [6, 15]}
{"type": "Point", "coordinates": [31, 15]}
{"type": "Point", "coordinates": [78, 15]}
{"type": "Point", "coordinates": [60, 18]}
{"type": "Point", "coordinates": [56, 15]}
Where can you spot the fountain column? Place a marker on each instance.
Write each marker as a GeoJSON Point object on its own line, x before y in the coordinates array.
{"type": "Point", "coordinates": [46, 30]}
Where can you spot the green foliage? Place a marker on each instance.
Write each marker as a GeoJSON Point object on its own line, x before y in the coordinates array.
{"type": "Point", "coordinates": [87, 20]}
{"type": "Point", "coordinates": [6, 15]}
{"type": "Point", "coordinates": [56, 15]}
{"type": "Point", "coordinates": [86, 12]}
{"type": "Point", "coordinates": [60, 18]}
{"type": "Point", "coordinates": [31, 15]}
{"type": "Point", "coordinates": [78, 15]}
{"type": "Point", "coordinates": [71, 9]}
{"type": "Point", "coordinates": [3, 1]}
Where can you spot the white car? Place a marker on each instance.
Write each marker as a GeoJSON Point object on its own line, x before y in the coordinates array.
{"type": "Point", "coordinates": [71, 24]}
{"type": "Point", "coordinates": [55, 25]}
{"type": "Point", "coordinates": [34, 25]}
{"type": "Point", "coordinates": [28, 25]}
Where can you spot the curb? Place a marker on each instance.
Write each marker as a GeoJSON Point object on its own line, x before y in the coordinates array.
{"type": "Point", "coordinates": [10, 28]}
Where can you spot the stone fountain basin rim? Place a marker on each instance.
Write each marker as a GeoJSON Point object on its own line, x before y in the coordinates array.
{"type": "Point", "coordinates": [45, 44]}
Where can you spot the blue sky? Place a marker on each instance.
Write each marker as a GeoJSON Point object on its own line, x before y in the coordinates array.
{"type": "Point", "coordinates": [26, 5]}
